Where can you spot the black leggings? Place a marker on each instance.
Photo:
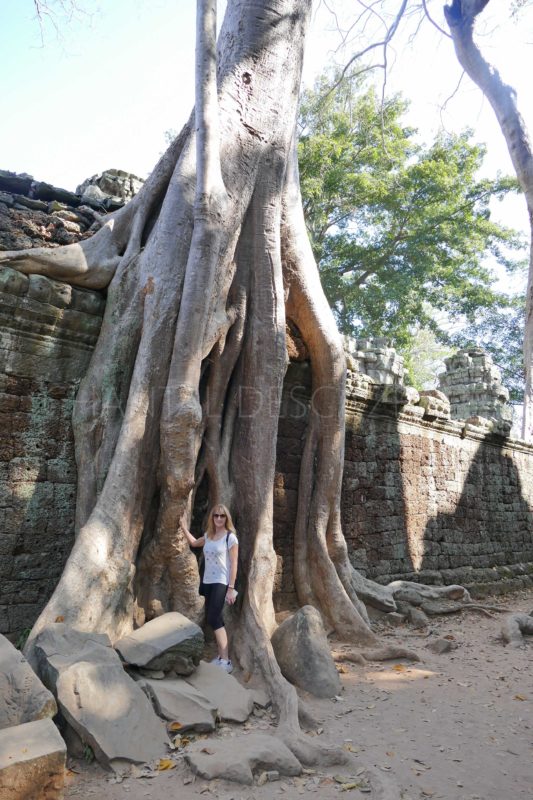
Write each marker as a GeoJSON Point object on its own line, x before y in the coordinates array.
{"type": "Point", "coordinates": [215, 595]}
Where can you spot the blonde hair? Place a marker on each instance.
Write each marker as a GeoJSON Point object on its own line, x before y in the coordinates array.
{"type": "Point", "coordinates": [220, 509]}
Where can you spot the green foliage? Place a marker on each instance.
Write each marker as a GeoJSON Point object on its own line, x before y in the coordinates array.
{"type": "Point", "coordinates": [424, 358]}
{"type": "Point", "coordinates": [88, 754]}
{"type": "Point", "coordinates": [22, 638]}
{"type": "Point", "coordinates": [402, 232]}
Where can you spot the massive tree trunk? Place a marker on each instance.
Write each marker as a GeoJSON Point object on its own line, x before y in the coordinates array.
{"type": "Point", "coordinates": [461, 16]}
{"type": "Point", "coordinates": [202, 269]}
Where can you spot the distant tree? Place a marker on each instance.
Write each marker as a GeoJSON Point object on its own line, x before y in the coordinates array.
{"type": "Point", "coordinates": [400, 231]}
{"type": "Point", "coordinates": [424, 358]}
{"type": "Point", "coordinates": [461, 16]}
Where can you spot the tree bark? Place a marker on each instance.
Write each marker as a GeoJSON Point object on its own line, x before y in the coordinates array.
{"type": "Point", "coordinates": [461, 16]}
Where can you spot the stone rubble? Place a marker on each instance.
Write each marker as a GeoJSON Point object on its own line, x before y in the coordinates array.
{"type": "Point", "coordinates": [472, 383]}
{"type": "Point", "coordinates": [116, 184]}
{"type": "Point", "coordinates": [376, 358]}
{"type": "Point", "coordinates": [435, 404]}
{"type": "Point", "coordinates": [105, 707]}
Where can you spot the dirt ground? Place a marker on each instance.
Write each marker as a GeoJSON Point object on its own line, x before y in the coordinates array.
{"type": "Point", "coordinates": [457, 726]}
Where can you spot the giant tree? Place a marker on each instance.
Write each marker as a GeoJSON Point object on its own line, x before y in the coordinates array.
{"type": "Point", "coordinates": [202, 269]}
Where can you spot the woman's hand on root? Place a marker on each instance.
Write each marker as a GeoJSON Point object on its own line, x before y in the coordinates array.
{"type": "Point", "coordinates": [231, 596]}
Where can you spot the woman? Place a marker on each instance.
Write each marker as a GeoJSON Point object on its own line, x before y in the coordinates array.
{"type": "Point", "coordinates": [221, 552]}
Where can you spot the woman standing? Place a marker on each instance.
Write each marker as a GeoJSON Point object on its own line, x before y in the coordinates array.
{"type": "Point", "coordinates": [221, 551]}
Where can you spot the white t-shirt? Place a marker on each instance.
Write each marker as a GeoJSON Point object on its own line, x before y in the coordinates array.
{"type": "Point", "coordinates": [216, 558]}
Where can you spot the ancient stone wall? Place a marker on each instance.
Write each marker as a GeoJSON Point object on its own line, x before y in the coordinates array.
{"type": "Point", "coordinates": [424, 498]}
{"type": "Point", "coordinates": [47, 334]}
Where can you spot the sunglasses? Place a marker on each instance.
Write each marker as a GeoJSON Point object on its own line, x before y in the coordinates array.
{"type": "Point", "coordinates": [218, 515]}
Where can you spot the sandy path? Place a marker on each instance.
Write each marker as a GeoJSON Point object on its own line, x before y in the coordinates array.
{"type": "Point", "coordinates": [457, 726]}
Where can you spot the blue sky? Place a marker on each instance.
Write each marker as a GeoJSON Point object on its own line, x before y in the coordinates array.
{"type": "Point", "coordinates": [102, 92]}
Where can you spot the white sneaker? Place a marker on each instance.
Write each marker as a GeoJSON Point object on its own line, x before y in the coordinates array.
{"type": "Point", "coordinates": [225, 664]}
{"type": "Point", "coordinates": [215, 660]}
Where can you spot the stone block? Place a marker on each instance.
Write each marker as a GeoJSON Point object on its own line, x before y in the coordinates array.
{"type": "Point", "coordinates": [176, 700]}
{"type": "Point", "coordinates": [170, 642]}
{"type": "Point", "coordinates": [234, 702]}
{"type": "Point", "coordinates": [13, 282]}
{"type": "Point", "coordinates": [104, 706]}
{"type": "Point", "coordinates": [32, 762]}
{"type": "Point", "coordinates": [303, 653]}
{"type": "Point", "coordinates": [238, 759]}
{"type": "Point", "coordinates": [23, 698]}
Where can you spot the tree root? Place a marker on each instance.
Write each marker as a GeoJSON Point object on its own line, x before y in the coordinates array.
{"type": "Point", "coordinates": [322, 569]}
{"type": "Point", "coordinates": [306, 718]}
{"type": "Point", "coordinates": [416, 593]}
{"type": "Point", "coordinates": [515, 626]}
{"type": "Point", "coordinates": [390, 652]}
{"type": "Point", "coordinates": [311, 752]}
{"type": "Point", "coordinates": [350, 656]}
{"type": "Point", "coordinates": [436, 608]}
{"type": "Point", "coordinates": [386, 653]}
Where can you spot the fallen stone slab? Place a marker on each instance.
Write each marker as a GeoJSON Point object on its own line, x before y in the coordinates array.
{"type": "Point", "coordinates": [104, 706]}
{"type": "Point", "coordinates": [32, 762]}
{"type": "Point", "coordinates": [58, 646]}
{"type": "Point", "coordinates": [176, 700]}
{"type": "Point", "coordinates": [23, 698]}
{"type": "Point", "coordinates": [170, 642]}
{"type": "Point", "coordinates": [239, 758]}
{"type": "Point", "coordinates": [233, 701]}
{"type": "Point", "coordinates": [303, 653]}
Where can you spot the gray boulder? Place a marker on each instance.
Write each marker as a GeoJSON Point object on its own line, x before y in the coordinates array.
{"type": "Point", "coordinates": [32, 762]}
{"type": "Point", "coordinates": [233, 701]}
{"type": "Point", "coordinates": [97, 699]}
{"type": "Point", "coordinates": [170, 642]}
{"type": "Point", "coordinates": [175, 699]}
{"type": "Point", "coordinates": [302, 651]}
{"type": "Point", "coordinates": [238, 759]}
{"type": "Point", "coordinates": [23, 698]}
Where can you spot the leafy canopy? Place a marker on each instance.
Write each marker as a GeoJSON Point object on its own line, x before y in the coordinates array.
{"type": "Point", "coordinates": [402, 232]}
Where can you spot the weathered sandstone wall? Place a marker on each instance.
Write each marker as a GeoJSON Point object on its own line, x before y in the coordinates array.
{"type": "Point", "coordinates": [424, 498]}
{"type": "Point", "coordinates": [47, 334]}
